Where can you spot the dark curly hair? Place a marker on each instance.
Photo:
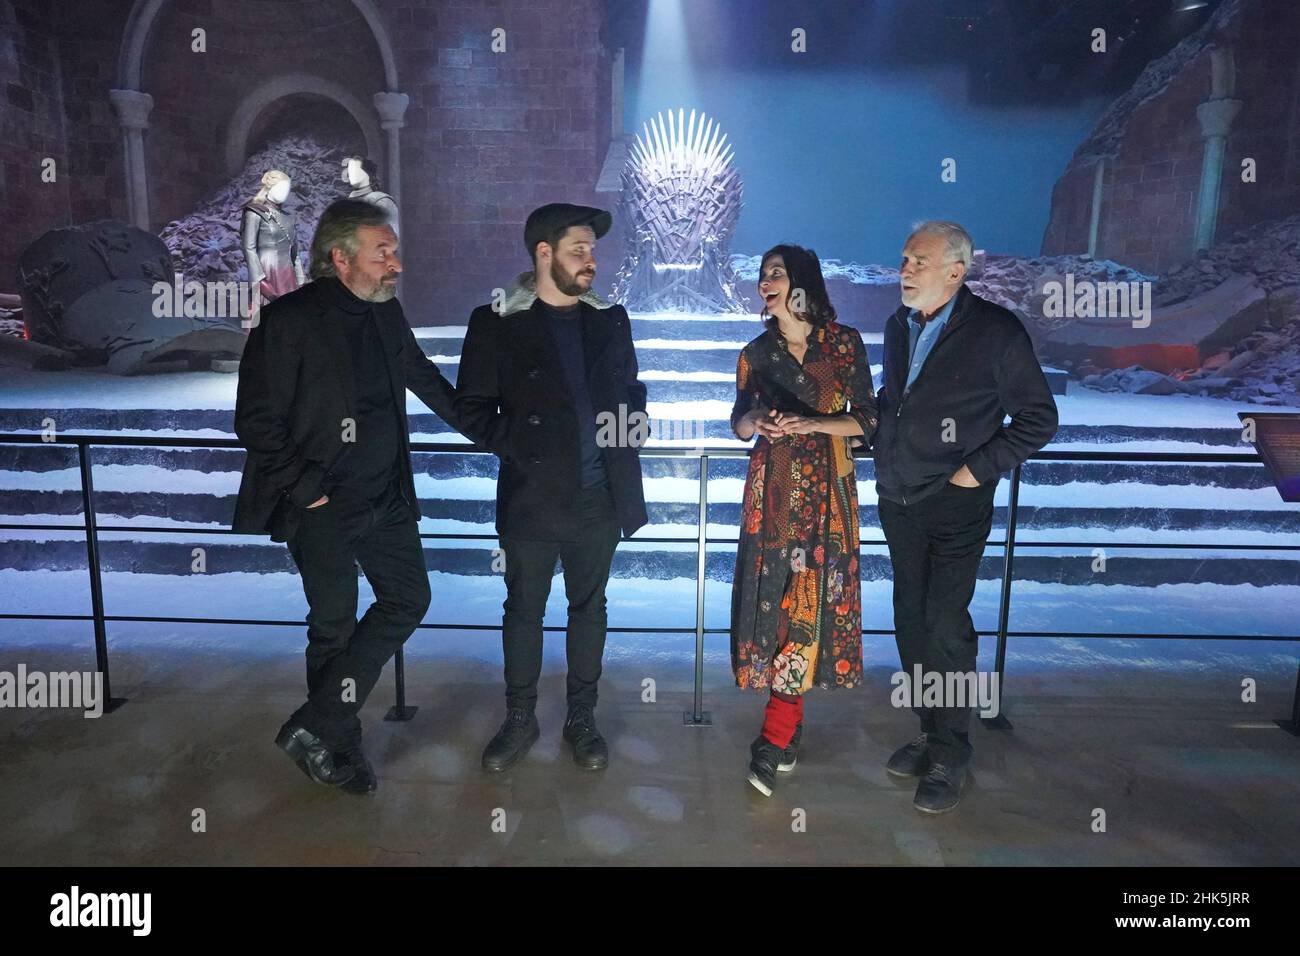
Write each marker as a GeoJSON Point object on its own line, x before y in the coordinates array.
{"type": "Point", "coordinates": [804, 270]}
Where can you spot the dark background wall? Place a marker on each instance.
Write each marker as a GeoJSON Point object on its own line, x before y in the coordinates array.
{"type": "Point", "coordinates": [490, 136]}
{"type": "Point", "coordinates": [839, 149]}
{"type": "Point", "coordinates": [248, 42]}
{"type": "Point", "coordinates": [41, 116]}
{"type": "Point", "coordinates": [487, 135]}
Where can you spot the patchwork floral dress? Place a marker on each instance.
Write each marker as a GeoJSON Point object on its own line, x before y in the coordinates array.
{"type": "Point", "coordinates": [796, 602]}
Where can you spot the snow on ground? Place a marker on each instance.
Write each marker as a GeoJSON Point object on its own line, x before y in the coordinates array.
{"type": "Point", "coordinates": [1072, 494]}
{"type": "Point", "coordinates": [650, 375]}
{"type": "Point", "coordinates": [94, 388]}
{"type": "Point", "coordinates": [1086, 406]}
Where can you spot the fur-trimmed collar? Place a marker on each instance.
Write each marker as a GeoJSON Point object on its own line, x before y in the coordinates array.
{"type": "Point", "coordinates": [522, 293]}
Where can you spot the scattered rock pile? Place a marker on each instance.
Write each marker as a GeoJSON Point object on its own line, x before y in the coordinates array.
{"type": "Point", "coordinates": [205, 244]}
{"type": "Point", "coordinates": [1263, 368]}
{"type": "Point", "coordinates": [11, 322]}
{"type": "Point", "coordinates": [1016, 283]}
{"type": "Point", "coordinates": [1270, 251]}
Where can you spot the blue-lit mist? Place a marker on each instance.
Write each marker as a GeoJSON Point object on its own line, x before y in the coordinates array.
{"type": "Point", "coordinates": [846, 161]}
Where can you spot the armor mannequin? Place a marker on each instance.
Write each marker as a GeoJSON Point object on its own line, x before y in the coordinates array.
{"type": "Point", "coordinates": [362, 174]}
{"type": "Point", "coordinates": [270, 239]}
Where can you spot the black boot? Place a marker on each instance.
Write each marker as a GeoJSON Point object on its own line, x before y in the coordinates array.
{"type": "Point", "coordinates": [589, 748]}
{"type": "Point", "coordinates": [764, 757]}
{"type": "Point", "coordinates": [312, 756]}
{"type": "Point", "coordinates": [940, 789]}
{"type": "Point", "coordinates": [512, 741]}
{"type": "Point", "coordinates": [910, 760]}
{"type": "Point", "coordinates": [790, 755]}
{"type": "Point", "coordinates": [364, 780]}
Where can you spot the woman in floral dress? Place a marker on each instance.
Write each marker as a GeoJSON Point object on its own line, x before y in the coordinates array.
{"type": "Point", "coordinates": [804, 388]}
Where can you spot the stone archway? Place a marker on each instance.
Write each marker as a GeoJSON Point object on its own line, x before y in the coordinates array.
{"type": "Point", "coordinates": [246, 113]}
{"type": "Point", "coordinates": [144, 14]}
{"type": "Point", "coordinates": [134, 104]}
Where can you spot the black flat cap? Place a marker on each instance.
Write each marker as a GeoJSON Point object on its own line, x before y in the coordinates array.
{"type": "Point", "coordinates": [547, 220]}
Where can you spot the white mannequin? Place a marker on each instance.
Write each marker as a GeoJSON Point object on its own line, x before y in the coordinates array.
{"type": "Point", "coordinates": [277, 194]}
{"type": "Point", "coordinates": [355, 175]}
{"type": "Point", "coordinates": [270, 239]}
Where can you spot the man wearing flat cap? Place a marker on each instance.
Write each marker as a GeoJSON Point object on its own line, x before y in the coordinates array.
{"type": "Point", "coordinates": [548, 383]}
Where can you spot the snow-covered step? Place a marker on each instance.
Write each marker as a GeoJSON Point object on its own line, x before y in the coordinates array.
{"type": "Point", "coordinates": [1091, 524]}
{"type": "Point", "coordinates": [709, 406]}
{"type": "Point", "coordinates": [175, 557]}
{"type": "Point", "coordinates": [54, 467]}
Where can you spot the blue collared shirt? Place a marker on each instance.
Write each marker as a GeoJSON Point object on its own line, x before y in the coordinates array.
{"type": "Point", "coordinates": [922, 338]}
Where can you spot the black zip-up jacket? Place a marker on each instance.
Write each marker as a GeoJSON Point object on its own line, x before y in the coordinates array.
{"type": "Point", "coordinates": [981, 369]}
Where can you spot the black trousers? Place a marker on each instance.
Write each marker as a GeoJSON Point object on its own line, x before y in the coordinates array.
{"type": "Point", "coordinates": [935, 546]}
{"type": "Point", "coordinates": [381, 535]}
{"type": "Point", "coordinates": [530, 566]}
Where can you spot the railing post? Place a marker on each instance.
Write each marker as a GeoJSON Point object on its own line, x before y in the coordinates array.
{"type": "Point", "coordinates": [111, 703]}
{"type": "Point", "coordinates": [1000, 722]}
{"type": "Point", "coordinates": [400, 711]}
{"type": "Point", "coordinates": [1292, 726]}
{"type": "Point", "coordinates": [698, 717]}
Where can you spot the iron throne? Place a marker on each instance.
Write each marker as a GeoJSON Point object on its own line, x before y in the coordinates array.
{"type": "Point", "coordinates": [681, 198]}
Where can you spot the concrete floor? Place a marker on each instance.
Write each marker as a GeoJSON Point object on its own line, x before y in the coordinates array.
{"type": "Point", "coordinates": [1186, 774]}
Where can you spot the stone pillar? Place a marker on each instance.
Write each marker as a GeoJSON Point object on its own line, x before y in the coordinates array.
{"type": "Point", "coordinates": [616, 78]}
{"type": "Point", "coordinates": [133, 113]}
{"type": "Point", "coordinates": [391, 107]}
{"type": "Point", "coordinates": [1216, 115]}
{"type": "Point", "coordinates": [1094, 221]}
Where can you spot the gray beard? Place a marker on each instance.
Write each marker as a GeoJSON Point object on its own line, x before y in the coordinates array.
{"type": "Point", "coordinates": [382, 293]}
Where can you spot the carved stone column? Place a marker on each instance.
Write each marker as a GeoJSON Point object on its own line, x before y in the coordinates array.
{"type": "Point", "coordinates": [391, 107]}
{"type": "Point", "coordinates": [133, 113]}
{"type": "Point", "coordinates": [1216, 115]}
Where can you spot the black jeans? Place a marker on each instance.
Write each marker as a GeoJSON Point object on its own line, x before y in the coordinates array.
{"type": "Point", "coordinates": [530, 565]}
{"type": "Point", "coordinates": [935, 546]}
{"type": "Point", "coordinates": [382, 536]}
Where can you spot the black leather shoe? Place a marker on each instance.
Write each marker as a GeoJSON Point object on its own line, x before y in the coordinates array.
{"type": "Point", "coordinates": [910, 760]}
{"type": "Point", "coordinates": [312, 756]}
{"type": "Point", "coordinates": [940, 789]}
{"type": "Point", "coordinates": [364, 780]}
{"type": "Point", "coordinates": [790, 755]}
{"type": "Point", "coordinates": [764, 757]}
{"type": "Point", "coordinates": [512, 741]}
{"type": "Point", "coordinates": [590, 751]}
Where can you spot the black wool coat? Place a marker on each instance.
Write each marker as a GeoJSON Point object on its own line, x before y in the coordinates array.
{"type": "Point", "coordinates": [295, 389]}
{"type": "Point", "coordinates": [513, 399]}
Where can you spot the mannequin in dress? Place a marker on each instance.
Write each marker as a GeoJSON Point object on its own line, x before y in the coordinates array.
{"type": "Point", "coordinates": [270, 239]}
{"type": "Point", "coordinates": [361, 174]}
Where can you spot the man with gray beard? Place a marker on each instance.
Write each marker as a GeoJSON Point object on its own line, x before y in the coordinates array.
{"type": "Point", "coordinates": [322, 411]}
{"type": "Point", "coordinates": [955, 366]}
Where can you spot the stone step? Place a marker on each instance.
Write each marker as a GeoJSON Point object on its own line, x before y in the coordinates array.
{"type": "Point", "coordinates": [43, 459]}
{"type": "Point", "coordinates": [176, 559]}
{"type": "Point", "coordinates": [120, 420]}
{"type": "Point", "coordinates": [40, 507]}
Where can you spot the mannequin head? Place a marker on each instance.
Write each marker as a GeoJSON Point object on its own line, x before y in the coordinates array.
{"type": "Point", "coordinates": [360, 172]}
{"type": "Point", "coordinates": [275, 187]}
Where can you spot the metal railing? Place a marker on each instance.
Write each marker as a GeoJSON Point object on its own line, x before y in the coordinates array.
{"type": "Point", "coordinates": [697, 716]}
